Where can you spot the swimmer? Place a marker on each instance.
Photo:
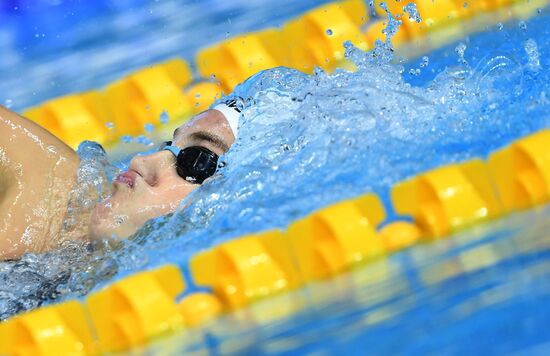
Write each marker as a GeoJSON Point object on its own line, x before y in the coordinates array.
{"type": "Point", "coordinates": [38, 171]}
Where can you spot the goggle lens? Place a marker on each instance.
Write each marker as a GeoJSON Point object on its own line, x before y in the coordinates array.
{"type": "Point", "coordinates": [194, 164]}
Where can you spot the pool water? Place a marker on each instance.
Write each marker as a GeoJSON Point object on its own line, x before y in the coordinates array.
{"type": "Point", "coordinates": [308, 141]}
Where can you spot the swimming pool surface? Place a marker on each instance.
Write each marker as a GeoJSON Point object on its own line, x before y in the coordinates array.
{"type": "Point", "coordinates": [308, 141]}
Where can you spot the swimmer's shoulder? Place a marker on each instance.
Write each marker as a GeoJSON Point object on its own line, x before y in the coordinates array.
{"type": "Point", "coordinates": [39, 171]}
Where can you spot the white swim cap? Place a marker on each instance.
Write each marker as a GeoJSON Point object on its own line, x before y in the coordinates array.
{"type": "Point", "coordinates": [232, 113]}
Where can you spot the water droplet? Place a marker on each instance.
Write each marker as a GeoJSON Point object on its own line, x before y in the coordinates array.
{"type": "Point", "coordinates": [149, 127]}
{"type": "Point", "coordinates": [126, 139]}
{"type": "Point", "coordinates": [144, 140]}
{"type": "Point", "coordinates": [110, 125]}
{"type": "Point", "coordinates": [8, 103]}
{"type": "Point", "coordinates": [329, 32]}
{"type": "Point", "coordinates": [522, 25]}
{"type": "Point", "coordinates": [460, 49]}
{"type": "Point", "coordinates": [164, 118]}
{"type": "Point", "coordinates": [500, 26]}
{"type": "Point", "coordinates": [412, 11]}
{"type": "Point", "coordinates": [425, 62]}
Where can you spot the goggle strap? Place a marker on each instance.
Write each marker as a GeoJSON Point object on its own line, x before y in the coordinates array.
{"type": "Point", "coordinates": [175, 150]}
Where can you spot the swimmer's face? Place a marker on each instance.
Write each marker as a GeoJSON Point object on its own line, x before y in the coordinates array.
{"type": "Point", "coordinates": [152, 187]}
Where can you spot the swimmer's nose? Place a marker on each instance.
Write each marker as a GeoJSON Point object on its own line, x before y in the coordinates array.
{"type": "Point", "coordinates": [152, 166]}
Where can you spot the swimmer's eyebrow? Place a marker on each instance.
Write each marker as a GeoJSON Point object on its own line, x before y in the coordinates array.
{"type": "Point", "coordinates": [209, 137]}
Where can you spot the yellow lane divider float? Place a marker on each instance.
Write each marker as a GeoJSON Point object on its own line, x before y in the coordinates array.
{"type": "Point", "coordinates": [142, 307]}
{"type": "Point", "coordinates": [448, 198]}
{"type": "Point", "coordinates": [128, 105]}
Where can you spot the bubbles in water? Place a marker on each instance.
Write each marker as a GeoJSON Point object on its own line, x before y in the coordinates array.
{"type": "Point", "coordinates": [329, 32]}
{"type": "Point", "coordinates": [500, 26]}
{"type": "Point", "coordinates": [8, 103]}
{"type": "Point", "coordinates": [532, 51]}
{"type": "Point", "coordinates": [126, 139]}
{"type": "Point", "coordinates": [522, 25]}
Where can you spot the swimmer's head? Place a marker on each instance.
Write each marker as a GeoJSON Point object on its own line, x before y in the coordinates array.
{"type": "Point", "coordinates": [152, 186]}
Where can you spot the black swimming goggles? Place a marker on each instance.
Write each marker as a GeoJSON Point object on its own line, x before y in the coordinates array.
{"type": "Point", "coordinates": [195, 163]}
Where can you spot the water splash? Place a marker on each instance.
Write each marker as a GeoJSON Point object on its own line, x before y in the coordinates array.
{"type": "Point", "coordinates": [297, 130]}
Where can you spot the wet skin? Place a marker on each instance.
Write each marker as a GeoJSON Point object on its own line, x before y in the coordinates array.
{"type": "Point", "coordinates": [38, 171]}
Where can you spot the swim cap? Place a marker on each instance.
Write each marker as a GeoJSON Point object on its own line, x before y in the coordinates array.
{"type": "Point", "coordinates": [231, 112]}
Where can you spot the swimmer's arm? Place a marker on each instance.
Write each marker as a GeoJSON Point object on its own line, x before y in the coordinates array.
{"type": "Point", "coordinates": [35, 168]}
{"type": "Point", "coordinates": [25, 141]}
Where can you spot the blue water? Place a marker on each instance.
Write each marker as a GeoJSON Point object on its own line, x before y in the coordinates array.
{"type": "Point", "coordinates": [308, 141]}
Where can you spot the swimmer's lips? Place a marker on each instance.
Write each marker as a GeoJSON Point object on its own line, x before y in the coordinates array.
{"type": "Point", "coordinates": [128, 178]}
